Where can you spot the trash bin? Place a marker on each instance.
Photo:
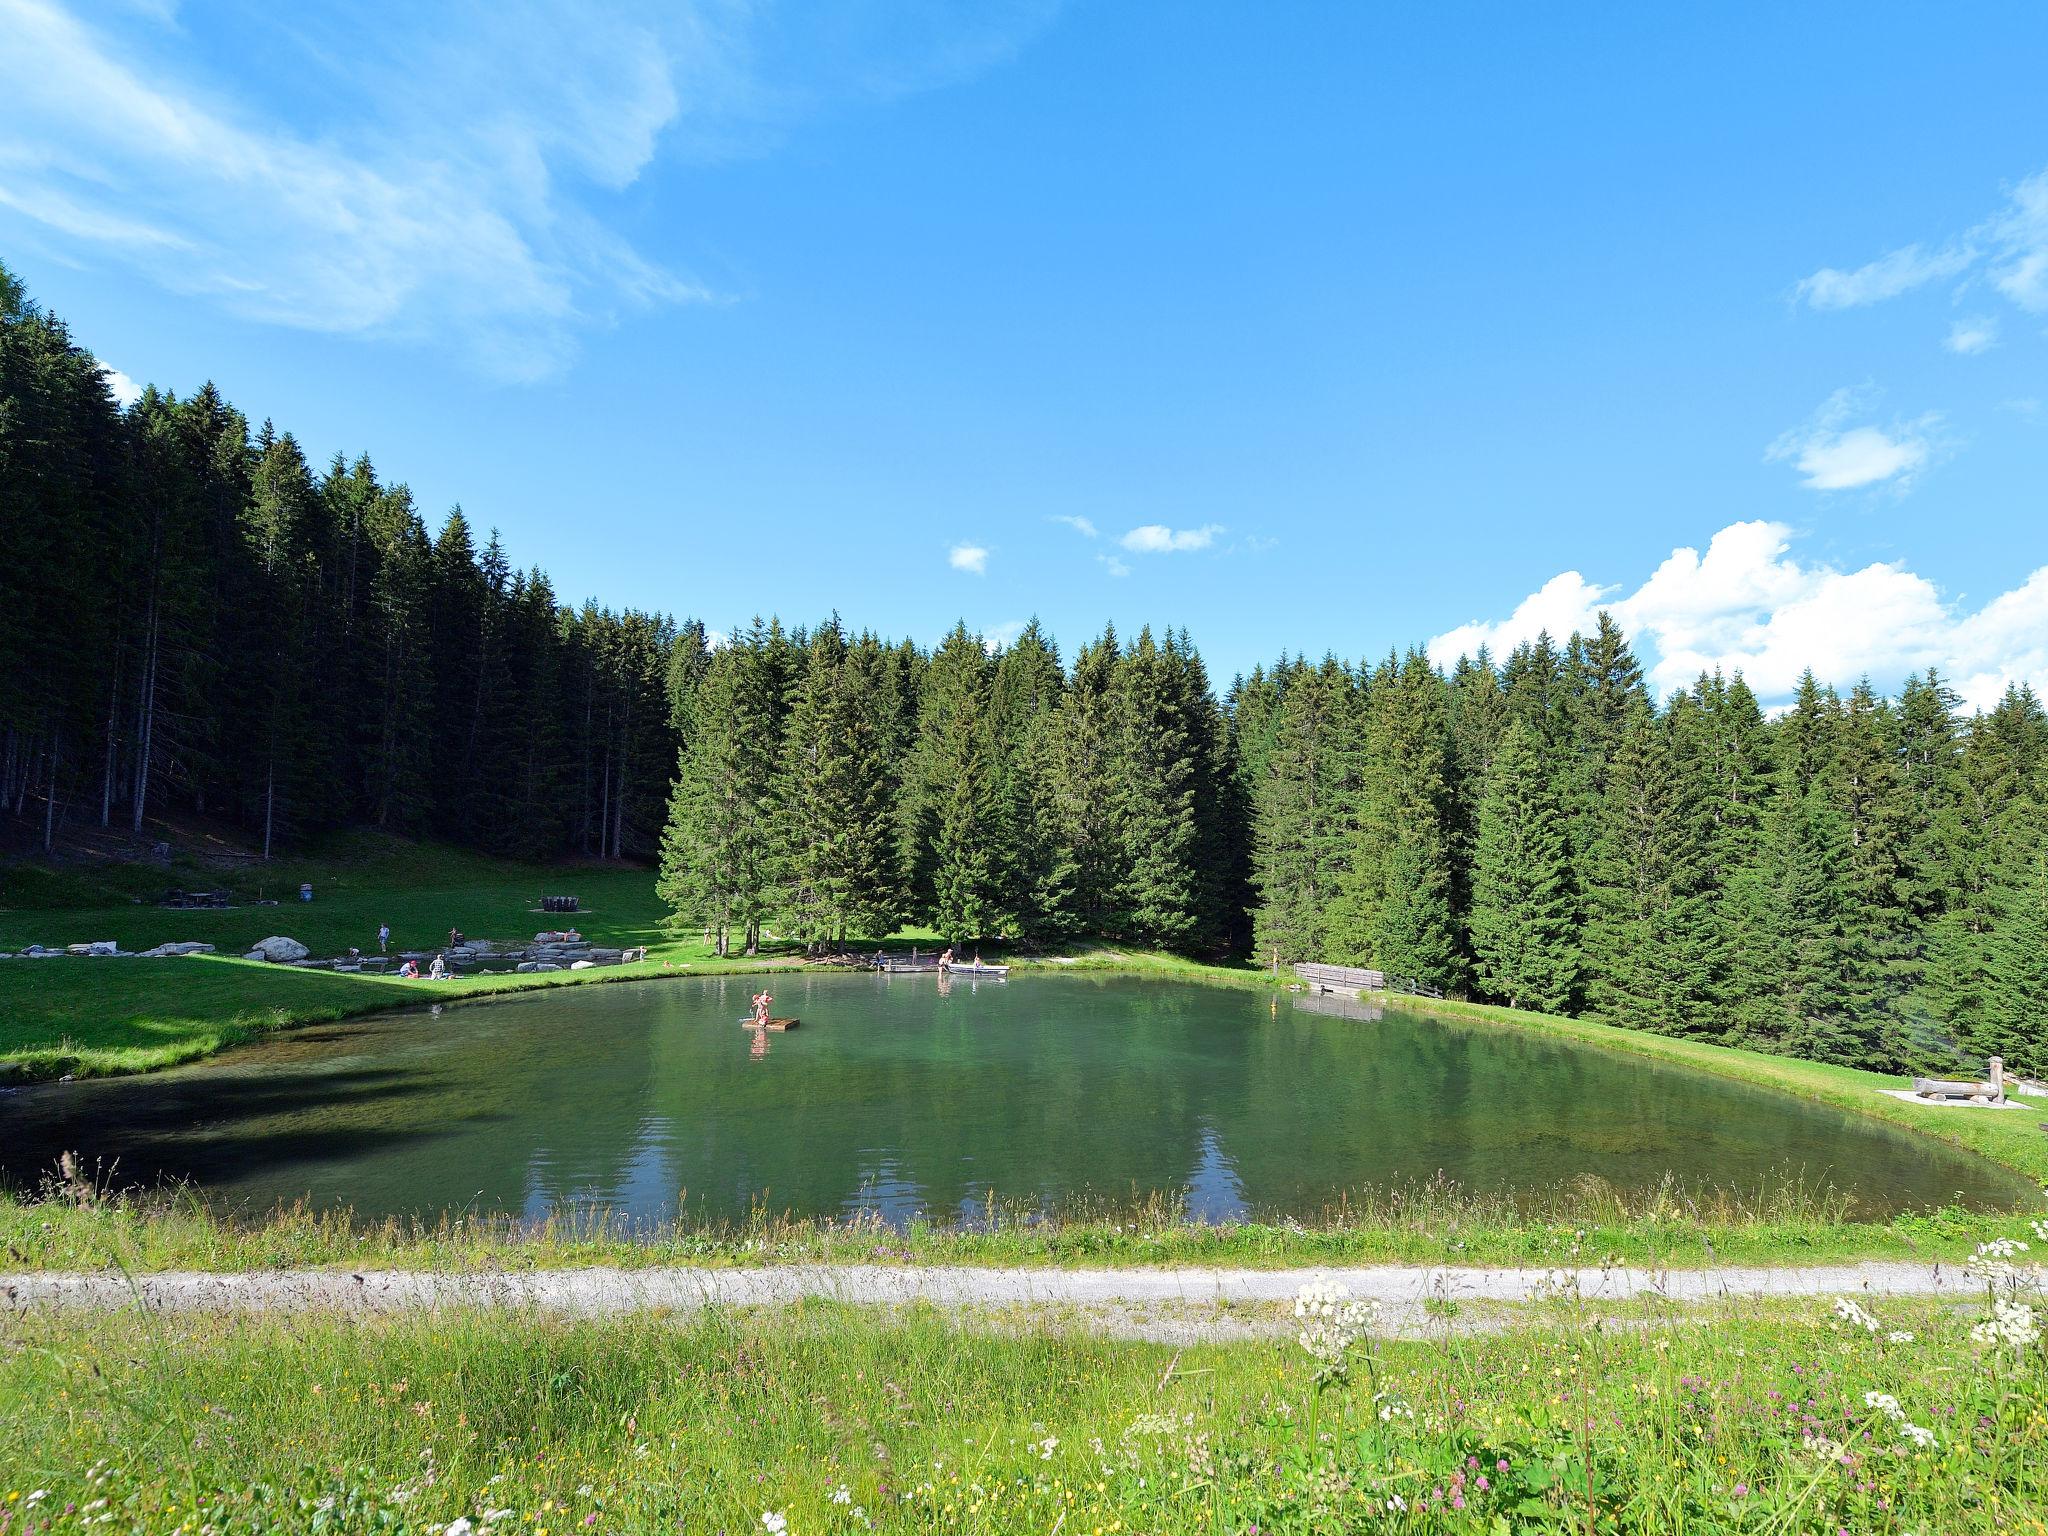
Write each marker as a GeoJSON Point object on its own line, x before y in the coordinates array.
{"type": "Point", "coordinates": [306, 891]}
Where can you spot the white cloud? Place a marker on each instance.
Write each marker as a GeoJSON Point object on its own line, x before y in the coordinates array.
{"type": "Point", "coordinates": [1834, 456]}
{"type": "Point", "coordinates": [2010, 248]}
{"type": "Point", "coordinates": [1885, 278]}
{"type": "Point", "coordinates": [968, 557]}
{"type": "Point", "coordinates": [1113, 565]}
{"type": "Point", "coordinates": [1158, 539]}
{"type": "Point", "coordinates": [997, 636]}
{"type": "Point", "coordinates": [448, 175]}
{"type": "Point", "coordinates": [1565, 603]}
{"type": "Point", "coordinates": [1747, 606]}
{"type": "Point", "coordinates": [1979, 333]}
{"type": "Point", "coordinates": [1080, 525]}
{"type": "Point", "coordinates": [124, 389]}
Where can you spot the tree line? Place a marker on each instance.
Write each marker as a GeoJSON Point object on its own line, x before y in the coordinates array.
{"type": "Point", "coordinates": [196, 618]}
{"type": "Point", "coordinates": [836, 786]}
{"type": "Point", "coordinates": [1860, 880]}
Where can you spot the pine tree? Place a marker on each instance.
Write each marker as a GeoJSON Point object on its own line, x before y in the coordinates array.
{"type": "Point", "coordinates": [1154, 767]}
{"type": "Point", "coordinates": [1395, 908]}
{"type": "Point", "coordinates": [1299, 811]}
{"type": "Point", "coordinates": [1023, 699]}
{"type": "Point", "coordinates": [1524, 917]}
{"type": "Point", "coordinates": [1078, 771]}
{"type": "Point", "coordinates": [949, 814]}
{"type": "Point", "coordinates": [716, 849]}
{"type": "Point", "coordinates": [1650, 957]}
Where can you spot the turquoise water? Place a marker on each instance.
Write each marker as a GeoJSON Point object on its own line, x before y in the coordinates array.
{"type": "Point", "coordinates": [900, 1096]}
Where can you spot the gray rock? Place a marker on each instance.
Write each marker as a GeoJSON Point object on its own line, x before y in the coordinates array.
{"type": "Point", "coordinates": [255, 954]}
{"type": "Point", "coordinates": [279, 948]}
{"type": "Point", "coordinates": [526, 967]}
{"type": "Point", "coordinates": [546, 965]}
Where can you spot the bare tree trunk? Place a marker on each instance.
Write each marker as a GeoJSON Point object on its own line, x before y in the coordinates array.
{"type": "Point", "coordinates": [113, 743]}
{"type": "Point", "coordinates": [269, 805]}
{"type": "Point", "coordinates": [56, 758]}
{"type": "Point", "coordinates": [146, 724]}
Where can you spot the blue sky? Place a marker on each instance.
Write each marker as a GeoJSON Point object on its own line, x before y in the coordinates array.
{"type": "Point", "coordinates": [1308, 327]}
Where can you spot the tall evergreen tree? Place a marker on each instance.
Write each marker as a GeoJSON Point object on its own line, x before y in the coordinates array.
{"type": "Point", "coordinates": [1524, 915]}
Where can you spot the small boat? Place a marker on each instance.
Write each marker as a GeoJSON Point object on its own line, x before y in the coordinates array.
{"type": "Point", "coordinates": [775, 1024]}
{"type": "Point", "coordinates": [979, 970]}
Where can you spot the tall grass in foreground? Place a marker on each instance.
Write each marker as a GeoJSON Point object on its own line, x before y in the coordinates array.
{"type": "Point", "coordinates": [819, 1419]}
{"type": "Point", "coordinates": [73, 1224]}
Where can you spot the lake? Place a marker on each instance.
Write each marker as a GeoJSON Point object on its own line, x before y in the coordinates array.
{"type": "Point", "coordinates": [898, 1095]}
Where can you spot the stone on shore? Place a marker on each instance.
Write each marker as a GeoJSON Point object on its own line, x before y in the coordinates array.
{"type": "Point", "coordinates": [278, 949]}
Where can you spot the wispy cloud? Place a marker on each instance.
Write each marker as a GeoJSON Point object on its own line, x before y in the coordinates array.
{"type": "Point", "coordinates": [1080, 525]}
{"type": "Point", "coordinates": [448, 176]}
{"type": "Point", "coordinates": [968, 557]}
{"type": "Point", "coordinates": [1832, 454]}
{"type": "Point", "coordinates": [997, 636]}
{"type": "Point", "coordinates": [2009, 249]}
{"type": "Point", "coordinates": [1158, 539]}
{"type": "Point", "coordinates": [1746, 605]}
{"type": "Point", "coordinates": [1968, 337]}
{"type": "Point", "coordinates": [1899, 272]}
{"type": "Point", "coordinates": [1114, 565]}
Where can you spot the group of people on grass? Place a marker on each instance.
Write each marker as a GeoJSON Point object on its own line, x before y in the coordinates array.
{"type": "Point", "coordinates": [438, 968]}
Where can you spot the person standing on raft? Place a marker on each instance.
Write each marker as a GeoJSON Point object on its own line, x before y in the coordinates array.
{"type": "Point", "coordinates": [761, 1001]}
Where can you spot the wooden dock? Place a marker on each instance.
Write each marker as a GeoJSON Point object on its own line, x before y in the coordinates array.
{"type": "Point", "coordinates": [926, 965]}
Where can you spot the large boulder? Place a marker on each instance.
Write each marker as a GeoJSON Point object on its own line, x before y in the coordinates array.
{"type": "Point", "coordinates": [279, 949]}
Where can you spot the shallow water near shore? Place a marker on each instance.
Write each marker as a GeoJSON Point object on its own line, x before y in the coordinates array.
{"type": "Point", "coordinates": [900, 1096]}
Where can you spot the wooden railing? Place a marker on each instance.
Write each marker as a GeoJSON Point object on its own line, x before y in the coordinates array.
{"type": "Point", "coordinates": [1355, 979]}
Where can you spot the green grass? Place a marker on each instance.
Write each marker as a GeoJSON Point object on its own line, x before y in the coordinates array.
{"type": "Point", "coordinates": [78, 1230]}
{"type": "Point", "coordinates": [97, 1017]}
{"type": "Point", "coordinates": [1640, 1419]}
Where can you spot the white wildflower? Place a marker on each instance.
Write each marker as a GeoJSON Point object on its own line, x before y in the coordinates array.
{"type": "Point", "coordinates": [1854, 1315]}
{"type": "Point", "coordinates": [1046, 1447]}
{"type": "Point", "coordinates": [1899, 1336]}
{"type": "Point", "coordinates": [1397, 1504]}
{"type": "Point", "coordinates": [775, 1521]}
{"type": "Point", "coordinates": [842, 1494]}
{"type": "Point", "coordinates": [1823, 1449]}
{"type": "Point", "coordinates": [459, 1526]}
{"type": "Point", "coordinates": [1884, 1403]}
{"type": "Point", "coordinates": [2012, 1323]}
{"type": "Point", "coordinates": [1332, 1323]}
{"type": "Point", "coordinates": [1923, 1439]}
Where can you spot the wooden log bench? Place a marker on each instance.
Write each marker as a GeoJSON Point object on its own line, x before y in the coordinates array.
{"type": "Point", "coordinates": [1989, 1091]}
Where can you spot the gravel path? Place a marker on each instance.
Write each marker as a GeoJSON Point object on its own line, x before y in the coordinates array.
{"type": "Point", "coordinates": [1173, 1303]}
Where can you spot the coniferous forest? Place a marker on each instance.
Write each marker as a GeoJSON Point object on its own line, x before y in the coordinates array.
{"type": "Point", "coordinates": [193, 617]}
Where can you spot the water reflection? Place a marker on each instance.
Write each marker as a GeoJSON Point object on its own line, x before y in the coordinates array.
{"type": "Point", "coordinates": [902, 1095]}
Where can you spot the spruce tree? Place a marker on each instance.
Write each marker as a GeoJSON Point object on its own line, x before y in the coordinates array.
{"type": "Point", "coordinates": [1651, 961]}
{"type": "Point", "coordinates": [1524, 916]}
{"type": "Point", "coordinates": [1299, 811]}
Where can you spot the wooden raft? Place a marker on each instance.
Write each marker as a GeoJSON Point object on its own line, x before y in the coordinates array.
{"type": "Point", "coordinates": [777, 1025]}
